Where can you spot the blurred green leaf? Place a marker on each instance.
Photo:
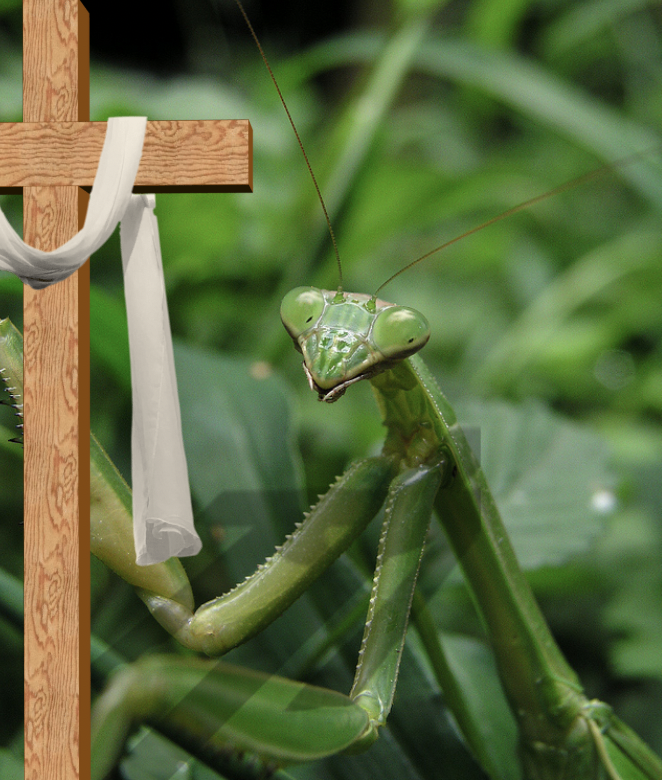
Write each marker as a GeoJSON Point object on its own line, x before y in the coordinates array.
{"type": "Point", "coordinates": [473, 665]}
{"type": "Point", "coordinates": [109, 337]}
{"type": "Point", "coordinates": [551, 479]}
{"type": "Point", "coordinates": [244, 470]}
{"type": "Point", "coordinates": [529, 88]}
{"type": "Point", "coordinates": [236, 416]}
{"type": "Point", "coordinates": [11, 767]}
{"type": "Point", "coordinates": [415, 7]}
{"type": "Point", "coordinates": [495, 23]}
{"type": "Point", "coordinates": [581, 21]}
{"type": "Point", "coordinates": [637, 615]}
{"type": "Point", "coordinates": [153, 757]}
{"type": "Point", "coordinates": [11, 72]}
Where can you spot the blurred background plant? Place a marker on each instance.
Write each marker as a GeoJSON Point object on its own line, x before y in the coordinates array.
{"type": "Point", "coordinates": [478, 106]}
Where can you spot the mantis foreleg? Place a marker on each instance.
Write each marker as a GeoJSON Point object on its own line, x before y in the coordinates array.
{"type": "Point", "coordinates": [328, 530]}
{"type": "Point", "coordinates": [406, 521]}
{"type": "Point", "coordinates": [210, 705]}
{"type": "Point", "coordinates": [277, 719]}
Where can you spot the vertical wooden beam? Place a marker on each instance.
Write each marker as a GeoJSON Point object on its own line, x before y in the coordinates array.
{"type": "Point", "coordinates": [56, 394]}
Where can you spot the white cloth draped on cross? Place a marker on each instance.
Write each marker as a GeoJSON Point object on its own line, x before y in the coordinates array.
{"type": "Point", "coordinates": [162, 512]}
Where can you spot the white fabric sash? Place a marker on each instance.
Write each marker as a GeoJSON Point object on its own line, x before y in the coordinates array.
{"type": "Point", "coordinates": [162, 512]}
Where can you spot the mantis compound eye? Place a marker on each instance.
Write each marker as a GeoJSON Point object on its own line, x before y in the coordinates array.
{"type": "Point", "coordinates": [300, 309]}
{"type": "Point", "coordinates": [400, 331]}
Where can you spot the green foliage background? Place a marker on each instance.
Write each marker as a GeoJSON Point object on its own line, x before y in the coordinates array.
{"type": "Point", "coordinates": [496, 103]}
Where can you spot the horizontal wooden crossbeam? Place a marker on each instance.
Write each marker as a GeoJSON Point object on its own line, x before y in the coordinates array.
{"type": "Point", "coordinates": [199, 155]}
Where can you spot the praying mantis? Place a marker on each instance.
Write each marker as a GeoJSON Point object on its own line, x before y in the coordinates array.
{"type": "Point", "coordinates": [425, 461]}
{"type": "Point", "coordinates": [594, 716]}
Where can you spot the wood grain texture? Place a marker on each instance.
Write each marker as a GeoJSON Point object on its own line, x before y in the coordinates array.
{"type": "Point", "coordinates": [84, 601]}
{"type": "Point", "coordinates": [51, 547]}
{"type": "Point", "coordinates": [178, 156]}
{"type": "Point", "coordinates": [51, 155]}
{"type": "Point", "coordinates": [50, 60]}
{"type": "Point", "coordinates": [52, 470]}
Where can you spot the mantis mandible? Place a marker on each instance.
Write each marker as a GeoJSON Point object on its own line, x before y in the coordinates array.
{"type": "Point", "coordinates": [425, 461]}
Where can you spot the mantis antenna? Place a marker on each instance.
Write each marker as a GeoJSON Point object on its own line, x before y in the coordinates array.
{"type": "Point", "coordinates": [579, 180]}
{"type": "Point", "coordinates": [296, 133]}
{"type": "Point", "coordinates": [583, 179]}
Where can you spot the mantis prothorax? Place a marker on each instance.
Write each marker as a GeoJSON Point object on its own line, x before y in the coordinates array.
{"type": "Point", "coordinates": [426, 463]}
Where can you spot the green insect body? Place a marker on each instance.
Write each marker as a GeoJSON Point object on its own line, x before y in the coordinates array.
{"type": "Point", "coordinates": [426, 464]}
{"type": "Point", "coordinates": [426, 468]}
{"type": "Point", "coordinates": [229, 620]}
{"type": "Point", "coordinates": [423, 433]}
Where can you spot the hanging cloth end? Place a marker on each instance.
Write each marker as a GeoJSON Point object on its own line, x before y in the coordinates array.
{"type": "Point", "coordinates": [165, 539]}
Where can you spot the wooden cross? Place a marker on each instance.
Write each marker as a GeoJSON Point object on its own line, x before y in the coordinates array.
{"type": "Point", "coordinates": [51, 155]}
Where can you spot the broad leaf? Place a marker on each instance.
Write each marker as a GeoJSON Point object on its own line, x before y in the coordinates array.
{"type": "Point", "coordinates": [551, 478]}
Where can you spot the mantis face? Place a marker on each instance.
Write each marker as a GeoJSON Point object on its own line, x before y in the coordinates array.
{"type": "Point", "coordinates": [346, 337]}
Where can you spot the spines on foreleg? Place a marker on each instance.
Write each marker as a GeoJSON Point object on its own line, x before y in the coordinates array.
{"type": "Point", "coordinates": [11, 372]}
{"type": "Point", "coordinates": [326, 532]}
{"type": "Point", "coordinates": [406, 521]}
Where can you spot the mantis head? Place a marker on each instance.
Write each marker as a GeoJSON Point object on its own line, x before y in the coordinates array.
{"type": "Point", "coordinates": [345, 338]}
